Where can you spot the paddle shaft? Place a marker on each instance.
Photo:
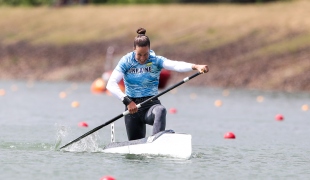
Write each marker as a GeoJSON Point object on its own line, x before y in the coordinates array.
{"type": "Point", "coordinates": [127, 112]}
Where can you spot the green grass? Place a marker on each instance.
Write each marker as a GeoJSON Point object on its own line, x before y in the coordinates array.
{"type": "Point", "coordinates": [170, 24]}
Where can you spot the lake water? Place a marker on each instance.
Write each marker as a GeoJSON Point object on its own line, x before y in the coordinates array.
{"type": "Point", "coordinates": [34, 119]}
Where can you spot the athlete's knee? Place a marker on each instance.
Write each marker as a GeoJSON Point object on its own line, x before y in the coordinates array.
{"type": "Point", "coordinates": [160, 110]}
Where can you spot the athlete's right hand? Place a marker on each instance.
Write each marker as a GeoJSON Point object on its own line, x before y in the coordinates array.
{"type": "Point", "coordinates": [132, 107]}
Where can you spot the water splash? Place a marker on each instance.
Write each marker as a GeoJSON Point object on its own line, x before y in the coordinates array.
{"type": "Point", "coordinates": [87, 144]}
{"type": "Point", "coordinates": [61, 133]}
{"type": "Point", "coordinates": [198, 155]}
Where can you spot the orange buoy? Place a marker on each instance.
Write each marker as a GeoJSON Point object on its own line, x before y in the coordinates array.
{"type": "Point", "coordinates": [225, 92]}
{"type": "Point", "coordinates": [218, 103]}
{"type": "Point", "coordinates": [2, 92]}
{"type": "Point", "coordinates": [62, 95]}
{"type": "Point", "coordinates": [98, 86]}
{"type": "Point", "coordinates": [229, 135]}
{"type": "Point", "coordinates": [193, 96]}
{"type": "Point", "coordinates": [83, 124]}
{"type": "Point", "coordinates": [30, 83]}
{"type": "Point", "coordinates": [279, 117]}
{"type": "Point", "coordinates": [14, 87]}
{"type": "Point", "coordinates": [260, 98]}
{"type": "Point", "coordinates": [107, 178]}
{"type": "Point", "coordinates": [305, 107]}
{"type": "Point", "coordinates": [75, 104]}
{"type": "Point", "coordinates": [173, 110]}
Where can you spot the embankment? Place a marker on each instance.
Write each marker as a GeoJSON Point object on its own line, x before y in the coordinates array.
{"type": "Point", "coordinates": [251, 46]}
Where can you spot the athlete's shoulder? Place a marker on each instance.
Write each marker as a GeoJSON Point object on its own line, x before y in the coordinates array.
{"type": "Point", "coordinates": [125, 62]}
{"type": "Point", "coordinates": [155, 57]}
{"type": "Point", "coordinates": [152, 54]}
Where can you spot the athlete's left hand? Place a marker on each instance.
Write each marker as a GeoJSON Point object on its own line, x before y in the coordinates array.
{"type": "Point", "coordinates": [201, 68]}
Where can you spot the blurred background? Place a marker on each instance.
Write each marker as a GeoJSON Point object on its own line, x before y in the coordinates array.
{"type": "Point", "coordinates": [253, 44]}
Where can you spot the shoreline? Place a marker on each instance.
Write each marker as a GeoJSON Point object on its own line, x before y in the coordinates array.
{"type": "Point", "coordinates": [86, 62]}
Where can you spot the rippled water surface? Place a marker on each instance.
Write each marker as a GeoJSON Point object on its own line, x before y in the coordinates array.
{"type": "Point", "coordinates": [35, 121]}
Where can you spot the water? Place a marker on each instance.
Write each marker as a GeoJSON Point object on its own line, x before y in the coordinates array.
{"type": "Point", "coordinates": [35, 121]}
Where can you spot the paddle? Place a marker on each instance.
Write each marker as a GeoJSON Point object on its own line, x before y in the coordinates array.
{"type": "Point", "coordinates": [127, 112]}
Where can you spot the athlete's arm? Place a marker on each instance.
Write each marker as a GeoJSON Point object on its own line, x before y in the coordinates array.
{"type": "Point", "coordinates": [178, 66]}
{"type": "Point", "coordinates": [113, 87]}
{"type": "Point", "coordinates": [181, 66]}
{"type": "Point", "coordinates": [112, 84]}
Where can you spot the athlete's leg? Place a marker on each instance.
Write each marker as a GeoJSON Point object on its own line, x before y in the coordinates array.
{"type": "Point", "coordinates": [156, 116]}
{"type": "Point", "coordinates": [135, 127]}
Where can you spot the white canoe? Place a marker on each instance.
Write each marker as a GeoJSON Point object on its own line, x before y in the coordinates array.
{"type": "Point", "coordinates": [165, 143]}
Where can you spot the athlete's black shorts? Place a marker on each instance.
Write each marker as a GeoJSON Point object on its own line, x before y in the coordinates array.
{"type": "Point", "coordinates": [151, 113]}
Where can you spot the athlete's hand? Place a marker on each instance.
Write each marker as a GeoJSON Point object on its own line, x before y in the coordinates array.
{"type": "Point", "coordinates": [201, 68]}
{"type": "Point", "coordinates": [132, 107]}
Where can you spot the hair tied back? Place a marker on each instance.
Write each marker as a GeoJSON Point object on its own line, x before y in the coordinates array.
{"type": "Point", "coordinates": [141, 32]}
{"type": "Point", "coordinates": [141, 39]}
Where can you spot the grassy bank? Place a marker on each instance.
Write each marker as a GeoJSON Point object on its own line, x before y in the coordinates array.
{"type": "Point", "coordinates": [172, 24]}
{"type": "Point", "coordinates": [262, 46]}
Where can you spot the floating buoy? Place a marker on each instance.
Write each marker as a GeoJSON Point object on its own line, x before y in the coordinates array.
{"type": "Point", "coordinates": [225, 92]}
{"type": "Point", "coordinates": [74, 86]}
{"type": "Point", "coordinates": [279, 117]}
{"type": "Point", "coordinates": [2, 92]}
{"type": "Point", "coordinates": [62, 95]}
{"type": "Point", "coordinates": [229, 135]}
{"type": "Point", "coordinates": [305, 107]}
{"type": "Point", "coordinates": [98, 86]}
{"type": "Point", "coordinates": [193, 96]}
{"type": "Point", "coordinates": [14, 87]}
{"type": "Point", "coordinates": [83, 124]}
{"type": "Point", "coordinates": [218, 103]}
{"type": "Point", "coordinates": [75, 104]}
{"type": "Point", "coordinates": [260, 98]}
{"type": "Point", "coordinates": [173, 110]}
{"type": "Point", "coordinates": [30, 83]}
{"type": "Point", "coordinates": [107, 178]}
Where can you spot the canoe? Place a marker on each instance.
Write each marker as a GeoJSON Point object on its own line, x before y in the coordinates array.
{"type": "Point", "coordinates": [165, 143]}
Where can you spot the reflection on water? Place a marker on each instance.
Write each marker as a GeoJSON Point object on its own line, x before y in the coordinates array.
{"type": "Point", "coordinates": [137, 157]}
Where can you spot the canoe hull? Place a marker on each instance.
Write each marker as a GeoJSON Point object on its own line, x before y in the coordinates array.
{"type": "Point", "coordinates": [168, 143]}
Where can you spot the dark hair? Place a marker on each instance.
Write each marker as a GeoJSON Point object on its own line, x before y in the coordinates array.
{"type": "Point", "coordinates": [141, 39]}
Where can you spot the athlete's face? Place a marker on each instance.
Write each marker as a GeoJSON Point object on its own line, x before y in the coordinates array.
{"type": "Point", "coordinates": [142, 54]}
